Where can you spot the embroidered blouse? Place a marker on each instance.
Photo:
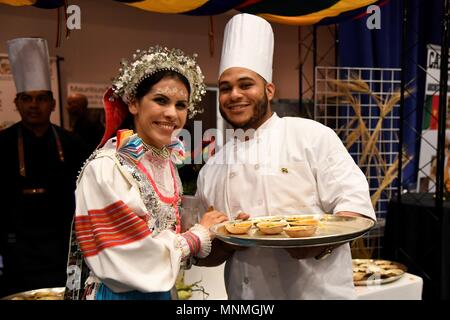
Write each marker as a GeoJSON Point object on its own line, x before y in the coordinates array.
{"type": "Point", "coordinates": [127, 219]}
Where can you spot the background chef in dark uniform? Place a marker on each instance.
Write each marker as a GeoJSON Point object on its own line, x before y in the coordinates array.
{"type": "Point", "coordinates": [87, 123]}
{"type": "Point", "coordinates": [39, 162]}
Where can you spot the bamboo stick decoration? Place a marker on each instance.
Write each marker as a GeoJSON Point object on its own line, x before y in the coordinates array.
{"type": "Point", "coordinates": [362, 130]}
{"type": "Point", "coordinates": [390, 176]}
{"type": "Point", "coordinates": [385, 109]}
{"type": "Point", "coordinates": [344, 92]}
{"type": "Point", "coordinates": [368, 140]}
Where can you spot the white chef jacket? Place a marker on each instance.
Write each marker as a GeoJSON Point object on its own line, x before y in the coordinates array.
{"type": "Point", "coordinates": [288, 166]}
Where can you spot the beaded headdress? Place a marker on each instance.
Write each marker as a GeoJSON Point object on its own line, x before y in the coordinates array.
{"type": "Point", "coordinates": [145, 63]}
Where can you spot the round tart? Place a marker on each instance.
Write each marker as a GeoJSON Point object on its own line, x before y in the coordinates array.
{"type": "Point", "coordinates": [238, 227]}
{"type": "Point", "coordinates": [274, 227]}
{"type": "Point", "coordinates": [300, 231]}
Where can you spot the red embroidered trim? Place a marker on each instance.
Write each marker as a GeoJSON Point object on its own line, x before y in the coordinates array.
{"type": "Point", "coordinates": [193, 242]}
{"type": "Point", "coordinates": [111, 226]}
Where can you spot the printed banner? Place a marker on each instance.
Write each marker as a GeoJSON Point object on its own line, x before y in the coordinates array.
{"type": "Point", "coordinates": [426, 178]}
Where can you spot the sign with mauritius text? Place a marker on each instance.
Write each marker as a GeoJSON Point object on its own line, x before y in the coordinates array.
{"type": "Point", "coordinates": [93, 91]}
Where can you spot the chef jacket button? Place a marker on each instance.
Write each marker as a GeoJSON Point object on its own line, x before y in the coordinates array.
{"type": "Point", "coordinates": [256, 166]}
{"type": "Point", "coordinates": [232, 174]}
{"type": "Point", "coordinates": [246, 280]}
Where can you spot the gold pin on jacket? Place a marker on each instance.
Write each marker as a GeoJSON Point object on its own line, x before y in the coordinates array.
{"type": "Point", "coordinates": [284, 170]}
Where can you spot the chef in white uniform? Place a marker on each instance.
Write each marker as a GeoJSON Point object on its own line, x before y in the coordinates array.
{"type": "Point", "coordinates": [277, 166]}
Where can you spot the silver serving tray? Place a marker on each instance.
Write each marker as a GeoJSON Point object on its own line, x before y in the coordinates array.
{"type": "Point", "coordinates": [331, 230]}
{"type": "Point", "coordinates": [38, 294]}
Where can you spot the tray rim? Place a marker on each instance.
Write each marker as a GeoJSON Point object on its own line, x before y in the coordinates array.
{"type": "Point", "coordinates": [293, 242]}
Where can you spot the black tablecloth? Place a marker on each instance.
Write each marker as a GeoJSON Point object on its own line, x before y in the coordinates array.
{"type": "Point", "coordinates": [417, 234]}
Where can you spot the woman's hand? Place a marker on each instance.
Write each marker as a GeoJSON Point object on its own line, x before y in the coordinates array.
{"type": "Point", "coordinates": [211, 218]}
{"type": "Point", "coordinates": [221, 251]}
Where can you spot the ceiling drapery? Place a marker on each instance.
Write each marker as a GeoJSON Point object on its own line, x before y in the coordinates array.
{"type": "Point", "coordinates": [293, 12]}
{"type": "Point", "coordinates": [44, 4]}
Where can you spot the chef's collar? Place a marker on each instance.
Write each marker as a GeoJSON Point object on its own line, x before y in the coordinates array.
{"type": "Point", "coordinates": [242, 136]}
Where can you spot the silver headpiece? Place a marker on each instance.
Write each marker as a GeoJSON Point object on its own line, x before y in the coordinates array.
{"type": "Point", "coordinates": [145, 63]}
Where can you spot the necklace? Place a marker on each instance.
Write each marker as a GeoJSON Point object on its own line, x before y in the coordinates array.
{"type": "Point", "coordinates": [162, 153]}
{"type": "Point", "coordinates": [157, 157]}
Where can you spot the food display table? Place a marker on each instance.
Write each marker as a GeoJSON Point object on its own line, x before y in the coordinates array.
{"type": "Point", "coordinates": [211, 280]}
{"type": "Point", "coordinates": [408, 287]}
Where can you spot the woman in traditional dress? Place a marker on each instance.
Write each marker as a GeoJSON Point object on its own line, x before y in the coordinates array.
{"type": "Point", "coordinates": [128, 195]}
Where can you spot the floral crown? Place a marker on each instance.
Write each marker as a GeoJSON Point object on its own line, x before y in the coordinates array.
{"type": "Point", "coordinates": [147, 62]}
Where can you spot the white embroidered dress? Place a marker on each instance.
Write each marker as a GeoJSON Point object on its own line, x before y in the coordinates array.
{"type": "Point", "coordinates": [127, 222]}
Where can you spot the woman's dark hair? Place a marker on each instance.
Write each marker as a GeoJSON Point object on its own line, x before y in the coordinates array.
{"type": "Point", "coordinates": [128, 122]}
{"type": "Point", "coordinates": [146, 85]}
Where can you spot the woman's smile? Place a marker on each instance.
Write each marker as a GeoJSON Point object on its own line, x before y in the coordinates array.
{"type": "Point", "coordinates": [161, 111]}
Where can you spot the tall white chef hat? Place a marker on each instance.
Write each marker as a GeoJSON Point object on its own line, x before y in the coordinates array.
{"type": "Point", "coordinates": [248, 43]}
{"type": "Point", "coordinates": [30, 64]}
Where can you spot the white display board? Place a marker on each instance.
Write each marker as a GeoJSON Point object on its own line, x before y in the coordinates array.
{"type": "Point", "coordinates": [8, 112]}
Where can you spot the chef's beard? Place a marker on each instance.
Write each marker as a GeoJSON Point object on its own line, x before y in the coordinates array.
{"type": "Point", "coordinates": [260, 110]}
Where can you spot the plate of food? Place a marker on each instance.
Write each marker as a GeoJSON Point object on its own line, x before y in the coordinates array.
{"type": "Point", "coordinates": [38, 294]}
{"type": "Point", "coordinates": [369, 272]}
{"type": "Point", "coordinates": [292, 231]}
